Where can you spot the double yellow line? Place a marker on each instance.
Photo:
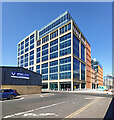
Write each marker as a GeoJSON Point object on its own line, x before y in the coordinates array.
{"type": "Point", "coordinates": [80, 110]}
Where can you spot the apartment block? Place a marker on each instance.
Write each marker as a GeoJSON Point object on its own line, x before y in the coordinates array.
{"type": "Point", "coordinates": [60, 52]}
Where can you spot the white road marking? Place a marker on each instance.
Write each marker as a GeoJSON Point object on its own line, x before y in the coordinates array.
{"type": "Point", "coordinates": [44, 107]}
{"type": "Point", "coordinates": [13, 100]}
{"type": "Point", "coordinates": [41, 96]}
{"type": "Point", "coordinates": [88, 98]}
{"type": "Point", "coordinates": [40, 114]}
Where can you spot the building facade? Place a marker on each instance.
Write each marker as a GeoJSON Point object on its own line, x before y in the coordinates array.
{"type": "Point", "coordinates": [108, 81]}
{"type": "Point", "coordinates": [59, 52]}
{"type": "Point", "coordinates": [97, 73]}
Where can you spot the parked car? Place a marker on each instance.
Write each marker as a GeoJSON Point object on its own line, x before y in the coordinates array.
{"type": "Point", "coordinates": [8, 93]}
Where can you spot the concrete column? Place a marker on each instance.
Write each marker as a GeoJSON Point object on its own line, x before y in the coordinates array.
{"type": "Point", "coordinates": [58, 58]}
{"type": "Point", "coordinates": [49, 62]}
{"type": "Point", "coordinates": [35, 51]}
{"type": "Point", "coordinates": [72, 86]}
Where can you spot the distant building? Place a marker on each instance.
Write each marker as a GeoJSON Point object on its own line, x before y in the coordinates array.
{"type": "Point", "coordinates": [108, 81]}
{"type": "Point", "coordinates": [97, 73]}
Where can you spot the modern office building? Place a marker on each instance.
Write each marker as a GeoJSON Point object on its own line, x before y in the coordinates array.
{"type": "Point", "coordinates": [97, 72]}
{"type": "Point", "coordinates": [59, 52]}
{"type": "Point", "coordinates": [108, 81]}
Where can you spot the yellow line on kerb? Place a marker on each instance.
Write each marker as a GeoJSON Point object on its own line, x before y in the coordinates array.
{"type": "Point", "coordinates": [80, 110]}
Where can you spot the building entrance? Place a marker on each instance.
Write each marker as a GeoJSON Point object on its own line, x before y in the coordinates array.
{"type": "Point", "coordinates": [64, 86]}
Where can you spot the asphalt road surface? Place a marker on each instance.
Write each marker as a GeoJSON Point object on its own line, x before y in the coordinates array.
{"type": "Point", "coordinates": [56, 105]}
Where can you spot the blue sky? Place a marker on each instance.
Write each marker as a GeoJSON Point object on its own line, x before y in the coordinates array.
{"type": "Point", "coordinates": [94, 20]}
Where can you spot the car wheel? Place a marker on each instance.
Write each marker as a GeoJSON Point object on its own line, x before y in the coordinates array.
{"type": "Point", "coordinates": [12, 97]}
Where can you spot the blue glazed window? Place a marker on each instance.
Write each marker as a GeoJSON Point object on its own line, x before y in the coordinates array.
{"type": "Point", "coordinates": [82, 52]}
{"type": "Point", "coordinates": [75, 46]}
{"type": "Point", "coordinates": [44, 46]}
{"type": "Point", "coordinates": [44, 77]}
{"type": "Point", "coordinates": [44, 65]}
{"type": "Point", "coordinates": [66, 75]}
{"type": "Point", "coordinates": [54, 55]}
{"type": "Point", "coordinates": [54, 42]}
{"type": "Point", "coordinates": [45, 39]}
{"type": "Point", "coordinates": [82, 71]}
{"type": "Point", "coordinates": [69, 26]}
{"type": "Point", "coordinates": [53, 76]}
{"type": "Point", "coordinates": [54, 63]}
{"type": "Point", "coordinates": [76, 69]}
{"type": "Point", "coordinates": [65, 60]}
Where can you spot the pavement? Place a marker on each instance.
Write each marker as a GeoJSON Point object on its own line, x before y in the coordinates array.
{"type": "Point", "coordinates": [56, 105]}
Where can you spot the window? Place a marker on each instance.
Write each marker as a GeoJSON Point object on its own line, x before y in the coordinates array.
{"type": "Point", "coordinates": [45, 71]}
{"type": "Point", "coordinates": [82, 52]}
{"type": "Point", "coordinates": [45, 39]}
{"type": "Point", "coordinates": [82, 71]}
{"type": "Point", "coordinates": [38, 42]}
{"type": "Point", "coordinates": [54, 34]}
{"type": "Point", "coordinates": [69, 26]}
{"type": "Point", "coordinates": [76, 69]}
{"type": "Point", "coordinates": [31, 62]}
{"type": "Point", "coordinates": [45, 52]}
{"type": "Point", "coordinates": [54, 49]}
{"type": "Point", "coordinates": [65, 45]}
{"type": "Point", "coordinates": [53, 63]}
{"type": "Point", "coordinates": [54, 25]}
{"type": "Point", "coordinates": [22, 47]}
{"type": "Point", "coordinates": [75, 46]}
{"type": "Point", "coordinates": [26, 60]}
{"type": "Point", "coordinates": [65, 68]}
{"type": "Point", "coordinates": [38, 55]}
{"type": "Point", "coordinates": [66, 75]}
{"type": "Point", "coordinates": [53, 76]}
{"type": "Point", "coordinates": [18, 49]}
{"type": "Point", "coordinates": [65, 28]}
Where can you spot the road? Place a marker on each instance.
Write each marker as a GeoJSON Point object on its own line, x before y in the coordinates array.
{"type": "Point", "coordinates": [56, 105]}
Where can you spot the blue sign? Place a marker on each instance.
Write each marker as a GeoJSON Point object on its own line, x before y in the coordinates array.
{"type": "Point", "coordinates": [20, 75]}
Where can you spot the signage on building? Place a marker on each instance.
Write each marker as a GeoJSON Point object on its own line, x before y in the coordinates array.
{"type": "Point", "coordinates": [20, 75]}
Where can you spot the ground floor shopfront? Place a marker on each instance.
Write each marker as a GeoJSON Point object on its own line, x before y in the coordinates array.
{"type": "Point", "coordinates": [63, 86]}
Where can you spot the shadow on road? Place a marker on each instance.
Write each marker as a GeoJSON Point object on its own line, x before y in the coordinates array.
{"type": "Point", "coordinates": [110, 112]}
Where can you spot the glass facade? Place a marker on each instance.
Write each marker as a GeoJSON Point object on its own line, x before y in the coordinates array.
{"type": "Point", "coordinates": [76, 69]}
{"type": "Point", "coordinates": [22, 61]}
{"type": "Point", "coordinates": [54, 49]}
{"type": "Point", "coordinates": [22, 47]}
{"type": "Point", "coordinates": [44, 52]}
{"type": "Point", "coordinates": [65, 44]}
{"type": "Point", "coordinates": [18, 49]}
{"type": "Point", "coordinates": [38, 69]}
{"type": "Point", "coordinates": [65, 28]}
{"type": "Point", "coordinates": [38, 42]}
{"type": "Point", "coordinates": [45, 71]}
{"type": "Point", "coordinates": [27, 45]}
{"type": "Point", "coordinates": [45, 39]}
{"type": "Point", "coordinates": [26, 60]}
{"type": "Point", "coordinates": [54, 25]}
{"type": "Point", "coordinates": [38, 55]}
{"type": "Point", "coordinates": [54, 34]}
{"type": "Point", "coordinates": [82, 52]}
{"type": "Point", "coordinates": [31, 41]}
{"type": "Point", "coordinates": [75, 46]}
{"type": "Point", "coordinates": [65, 68]}
{"type": "Point", "coordinates": [82, 71]}
{"type": "Point", "coordinates": [54, 70]}
{"type": "Point", "coordinates": [31, 58]}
